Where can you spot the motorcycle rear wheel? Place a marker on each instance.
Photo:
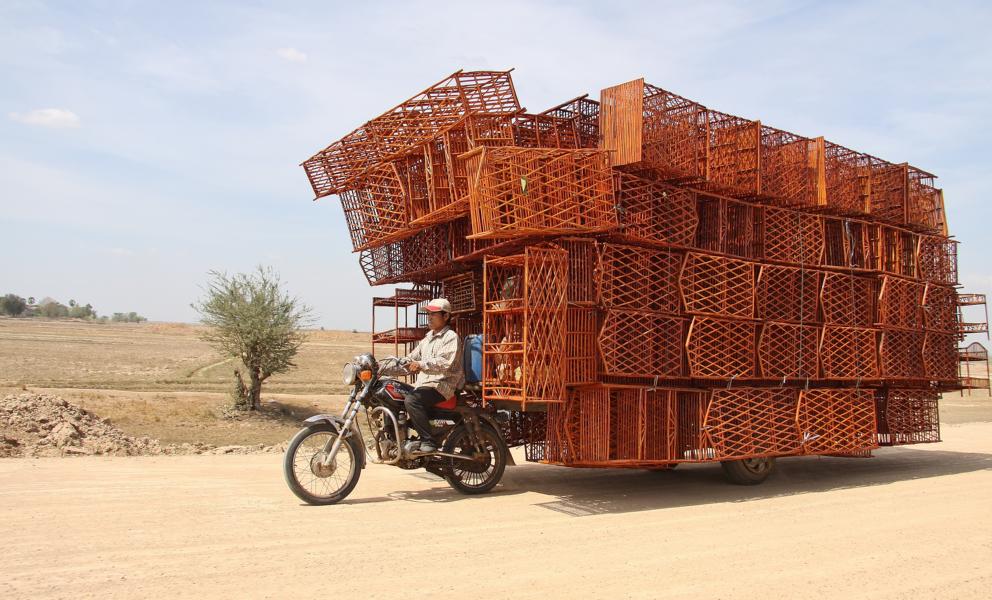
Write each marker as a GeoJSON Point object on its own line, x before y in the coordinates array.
{"type": "Point", "coordinates": [477, 477]}
{"type": "Point", "coordinates": [313, 483]}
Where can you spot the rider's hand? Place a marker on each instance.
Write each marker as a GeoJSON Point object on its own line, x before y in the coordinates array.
{"type": "Point", "coordinates": [413, 366]}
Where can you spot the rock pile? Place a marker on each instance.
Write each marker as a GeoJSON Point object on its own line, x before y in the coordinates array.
{"type": "Point", "coordinates": [34, 424]}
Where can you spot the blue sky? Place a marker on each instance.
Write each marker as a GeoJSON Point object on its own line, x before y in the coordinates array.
{"type": "Point", "coordinates": [142, 144]}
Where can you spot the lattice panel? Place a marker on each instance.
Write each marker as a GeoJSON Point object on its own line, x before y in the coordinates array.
{"type": "Point", "coordinates": [848, 353]}
{"type": "Point", "coordinates": [752, 422]}
{"type": "Point", "coordinates": [656, 213]}
{"type": "Point", "coordinates": [559, 427]}
{"type": "Point", "coordinates": [536, 191]}
{"type": "Point", "coordinates": [940, 308]}
{"type": "Point", "coordinates": [464, 291]}
{"type": "Point", "coordinates": [524, 325]}
{"type": "Point", "coordinates": [848, 300]}
{"type": "Point", "coordinates": [489, 130]}
{"type": "Point", "coordinates": [524, 428]}
{"type": "Point", "coordinates": [888, 186]}
{"type": "Point", "coordinates": [721, 348]}
{"type": "Point", "coordinates": [408, 125]}
{"type": "Point", "coordinates": [900, 302]}
{"type": "Point", "coordinates": [940, 356]}
{"type": "Point", "coordinates": [790, 168]}
{"type": "Point", "coordinates": [581, 348]}
{"type": "Point", "coordinates": [376, 210]}
{"type": "Point", "coordinates": [626, 424]}
{"type": "Point", "coordinates": [426, 255]}
{"type": "Point", "coordinates": [472, 251]}
{"type": "Point", "coordinates": [793, 237]}
{"type": "Point", "coordinates": [789, 351]}
{"type": "Point", "coordinates": [593, 407]}
{"type": "Point", "coordinates": [938, 260]}
{"type": "Point", "coordinates": [419, 259]}
{"type": "Point", "coordinates": [924, 202]}
{"type": "Point", "coordinates": [898, 251]}
{"type": "Point", "coordinates": [690, 411]}
{"type": "Point", "coordinates": [436, 153]}
{"type": "Point", "coordinates": [639, 278]}
{"type": "Point", "coordinates": [584, 114]}
{"type": "Point", "coordinates": [381, 265]}
{"type": "Point", "coordinates": [718, 285]}
{"type": "Point", "coordinates": [412, 171]}
{"type": "Point", "coordinates": [468, 324]}
{"type": "Point", "coordinates": [711, 230]}
{"type": "Point", "coordinates": [659, 425]}
{"type": "Point", "coordinates": [787, 294]}
{"type": "Point", "coordinates": [850, 244]}
{"type": "Point", "coordinates": [734, 155]}
{"type": "Point", "coordinates": [846, 179]}
{"type": "Point", "coordinates": [457, 142]}
{"type": "Point", "coordinates": [642, 344]}
{"type": "Point", "coordinates": [615, 426]}
{"type": "Point", "coordinates": [544, 131]}
{"type": "Point", "coordinates": [908, 417]}
{"type": "Point", "coordinates": [740, 230]}
{"type": "Point", "coordinates": [582, 261]}
{"type": "Point", "coordinates": [901, 354]}
{"type": "Point", "coordinates": [835, 421]}
{"type": "Point", "coordinates": [674, 136]}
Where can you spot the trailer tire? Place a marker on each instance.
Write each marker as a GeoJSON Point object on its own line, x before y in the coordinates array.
{"type": "Point", "coordinates": [748, 471]}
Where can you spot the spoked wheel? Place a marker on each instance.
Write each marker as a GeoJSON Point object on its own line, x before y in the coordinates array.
{"type": "Point", "coordinates": [749, 471]}
{"type": "Point", "coordinates": [480, 475]}
{"type": "Point", "coordinates": [313, 482]}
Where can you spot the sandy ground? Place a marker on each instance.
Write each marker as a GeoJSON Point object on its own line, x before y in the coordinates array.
{"type": "Point", "coordinates": [912, 522]}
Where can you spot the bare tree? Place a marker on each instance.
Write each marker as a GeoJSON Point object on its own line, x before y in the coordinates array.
{"type": "Point", "coordinates": [250, 317]}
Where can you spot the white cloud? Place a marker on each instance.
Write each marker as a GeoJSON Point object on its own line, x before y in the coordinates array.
{"type": "Point", "coordinates": [57, 118]}
{"type": "Point", "coordinates": [292, 54]}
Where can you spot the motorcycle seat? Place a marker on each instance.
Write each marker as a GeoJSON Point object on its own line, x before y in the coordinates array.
{"type": "Point", "coordinates": [399, 389]}
{"type": "Point", "coordinates": [448, 404]}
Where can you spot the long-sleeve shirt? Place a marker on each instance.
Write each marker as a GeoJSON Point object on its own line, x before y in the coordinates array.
{"type": "Point", "coordinates": [440, 358]}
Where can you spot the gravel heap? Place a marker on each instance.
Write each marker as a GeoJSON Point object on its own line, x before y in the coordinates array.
{"type": "Point", "coordinates": [44, 425]}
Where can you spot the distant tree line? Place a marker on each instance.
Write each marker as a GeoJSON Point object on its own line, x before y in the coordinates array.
{"type": "Point", "coordinates": [13, 305]}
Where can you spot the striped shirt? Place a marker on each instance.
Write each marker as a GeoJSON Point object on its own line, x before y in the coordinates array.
{"type": "Point", "coordinates": [440, 358]}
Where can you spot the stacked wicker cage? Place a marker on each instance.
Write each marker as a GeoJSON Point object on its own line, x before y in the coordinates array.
{"type": "Point", "coordinates": [656, 281]}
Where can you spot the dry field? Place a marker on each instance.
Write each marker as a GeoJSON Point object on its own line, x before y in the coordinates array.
{"type": "Point", "coordinates": [151, 356]}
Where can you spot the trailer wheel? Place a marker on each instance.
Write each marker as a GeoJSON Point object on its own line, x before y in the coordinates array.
{"type": "Point", "coordinates": [749, 471]}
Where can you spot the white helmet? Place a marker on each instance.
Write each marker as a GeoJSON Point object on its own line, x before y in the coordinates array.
{"type": "Point", "coordinates": [439, 305]}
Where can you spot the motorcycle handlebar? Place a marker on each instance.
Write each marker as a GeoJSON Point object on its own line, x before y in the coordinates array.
{"type": "Point", "coordinates": [389, 363]}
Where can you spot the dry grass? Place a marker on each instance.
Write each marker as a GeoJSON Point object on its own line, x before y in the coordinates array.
{"type": "Point", "coordinates": [152, 356]}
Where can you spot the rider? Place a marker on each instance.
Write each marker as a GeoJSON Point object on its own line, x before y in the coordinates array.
{"type": "Point", "coordinates": [437, 362]}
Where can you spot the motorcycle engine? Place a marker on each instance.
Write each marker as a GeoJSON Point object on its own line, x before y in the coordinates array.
{"type": "Point", "coordinates": [389, 449]}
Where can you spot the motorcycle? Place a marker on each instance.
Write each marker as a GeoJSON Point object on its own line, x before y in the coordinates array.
{"type": "Point", "coordinates": [325, 459]}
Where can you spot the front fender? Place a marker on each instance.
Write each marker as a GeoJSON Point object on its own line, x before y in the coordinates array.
{"type": "Point", "coordinates": [337, 423]}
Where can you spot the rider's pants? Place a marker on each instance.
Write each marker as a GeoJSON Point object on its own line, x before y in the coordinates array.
{"type": "Point", "coordinates": [417, 404]}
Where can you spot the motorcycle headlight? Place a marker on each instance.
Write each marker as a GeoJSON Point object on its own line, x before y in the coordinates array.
{"type": "Point", "coordinates": [348, 374]}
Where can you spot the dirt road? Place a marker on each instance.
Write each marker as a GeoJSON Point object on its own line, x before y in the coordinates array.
{"type": "Point", "coordinates": [912, 522]}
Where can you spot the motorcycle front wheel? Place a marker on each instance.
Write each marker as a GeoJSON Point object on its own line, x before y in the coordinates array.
{"type": "Point", "coordinates": [482, 474]}
{"type": "Point", "coordinates": [313, 482]}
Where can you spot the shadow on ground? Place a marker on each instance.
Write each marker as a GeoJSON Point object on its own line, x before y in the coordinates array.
{"type": "Point", "coordinates": [585, 492]}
